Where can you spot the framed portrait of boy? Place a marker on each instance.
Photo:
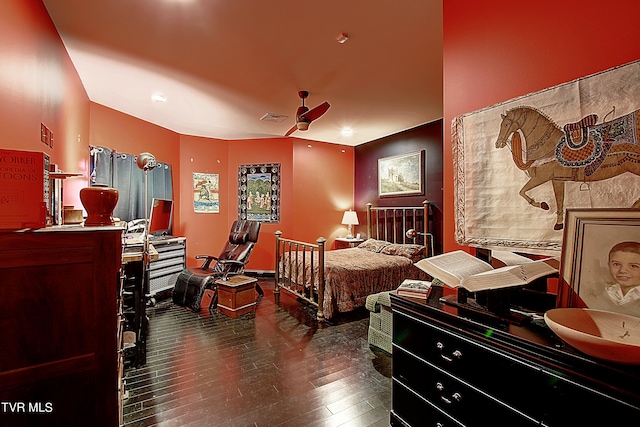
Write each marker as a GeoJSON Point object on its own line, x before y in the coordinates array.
{"type": "Point", "coordinates": [600, 262]}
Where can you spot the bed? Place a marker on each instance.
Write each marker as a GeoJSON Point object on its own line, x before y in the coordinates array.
{"type": "Point", "coordinates": [338, 281]}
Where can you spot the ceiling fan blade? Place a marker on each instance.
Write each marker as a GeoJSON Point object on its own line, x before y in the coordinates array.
{"type": "Point", "coordinates": [304, 116]}
{"type": "Point", "coordinates": [292, 130]}
{"type": "Point", "coordinates": [316, 112]}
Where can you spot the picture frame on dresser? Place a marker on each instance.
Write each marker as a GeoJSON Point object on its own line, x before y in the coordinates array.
{"type": "Point", "coordinates": [601, 259]}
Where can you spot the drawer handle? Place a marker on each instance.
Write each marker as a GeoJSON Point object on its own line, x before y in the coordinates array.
{"type": "Point", "coordinates": [457, 354]}
{"type": "Point", "coordinates": [455, 397]}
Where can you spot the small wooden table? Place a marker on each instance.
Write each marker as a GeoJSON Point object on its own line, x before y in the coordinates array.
{"type": "Point", "coordinates": [237, 295]}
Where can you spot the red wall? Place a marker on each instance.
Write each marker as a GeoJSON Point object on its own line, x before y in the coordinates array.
{"type": "Point", "coordinates": [38, 84]}
{"type": "Point", "coordinates": [323, 187]}
{"type": "Point", "coordinates": [127, 134]}
{"type": "Point", "coordinates": [253, 151]}
{"type": "Point", "coordinates": [496, 50]}
{"type": "Point", "coordinates": [313, 195]}
{"type": "Point", "coordinates": [205, 233]}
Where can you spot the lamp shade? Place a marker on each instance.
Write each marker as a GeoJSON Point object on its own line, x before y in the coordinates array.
{"type": "Point", "coordinates": [350, 218]}
{"type": "Point", "coordinates": [146, 161]}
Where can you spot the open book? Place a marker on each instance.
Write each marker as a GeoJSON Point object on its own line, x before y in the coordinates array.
{"type": "Point", "coordinates": [459, 268]}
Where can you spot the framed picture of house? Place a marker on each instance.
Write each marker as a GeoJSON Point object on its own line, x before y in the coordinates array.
{"type": "Point", "coordinates": [600, 261]}
{"type": "Point", "coordinates": [259, 192]}
{"type": "Point", "coordinates": [401, 175]}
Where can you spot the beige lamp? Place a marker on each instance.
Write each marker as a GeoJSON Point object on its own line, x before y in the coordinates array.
{"type": "Point", "coordinates": [350, 218]}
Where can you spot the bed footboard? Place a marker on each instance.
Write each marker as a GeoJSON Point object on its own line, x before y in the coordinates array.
{"type": "Point", "coordinates": [299, 270]}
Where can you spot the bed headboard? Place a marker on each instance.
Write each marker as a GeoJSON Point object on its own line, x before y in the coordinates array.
{"type": "Point", "coordinates": [392, 223]}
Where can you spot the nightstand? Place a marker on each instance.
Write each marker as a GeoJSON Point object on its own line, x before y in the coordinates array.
{"type": "Point", "coordinates": [343, 242]}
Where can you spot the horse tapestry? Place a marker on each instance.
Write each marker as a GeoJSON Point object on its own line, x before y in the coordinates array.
{"type": "Point", "coordinates": [520, 164]}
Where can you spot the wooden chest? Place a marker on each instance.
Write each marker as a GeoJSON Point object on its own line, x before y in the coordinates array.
{"type": "Point", "coordinates": [237, 295]}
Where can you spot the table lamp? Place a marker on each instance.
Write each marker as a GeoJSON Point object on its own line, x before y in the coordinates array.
{"type": "Point", "coordinates": [350, 218]}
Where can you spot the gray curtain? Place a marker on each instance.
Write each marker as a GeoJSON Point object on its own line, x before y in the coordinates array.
{"type": "Point", "coordinates": [119, 170]}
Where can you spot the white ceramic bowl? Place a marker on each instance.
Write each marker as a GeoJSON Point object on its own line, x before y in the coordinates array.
{"type": "Point", "coordinates": [602, 334]}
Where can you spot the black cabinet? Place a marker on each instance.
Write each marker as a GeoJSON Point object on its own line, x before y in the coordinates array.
{"type": "Point", "coordinates": [450, 368]}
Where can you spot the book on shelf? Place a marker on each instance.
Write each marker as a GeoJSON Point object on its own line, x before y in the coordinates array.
{"type": "Point", "coordinates": [414, 288]}
{"type": "Point", "coordinates": [459, 268]}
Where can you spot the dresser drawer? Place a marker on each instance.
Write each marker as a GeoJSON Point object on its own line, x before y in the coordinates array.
{"type": "Point", "coordinates": [413, 410]}
{"type": "Point", "coordinates": [462, 401]}
{"type": "Point", "coordinates": [568, 403]}
{"type": "Point", "coordinates": [520, 384]}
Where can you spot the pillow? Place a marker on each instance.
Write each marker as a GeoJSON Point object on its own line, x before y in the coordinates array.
{"type": "Point", "coordinates": [373, 245]}
{"type": "Point", "coordinates": [414, 252]}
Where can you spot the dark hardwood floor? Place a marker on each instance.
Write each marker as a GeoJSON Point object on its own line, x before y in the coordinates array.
{"type": "Point", "coordinates": [273, 367]}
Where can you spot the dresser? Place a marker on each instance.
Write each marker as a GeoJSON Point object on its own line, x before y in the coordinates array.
{"type": "Point", "coordinates": [455, 368]}
{"type": "Point", "coordinates": [60, 362]}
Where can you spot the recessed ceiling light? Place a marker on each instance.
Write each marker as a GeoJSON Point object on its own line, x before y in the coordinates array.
{"type": "Point", "coordinates": [158, 97]}
{"type": "Point", "coordinates": [347, 131]}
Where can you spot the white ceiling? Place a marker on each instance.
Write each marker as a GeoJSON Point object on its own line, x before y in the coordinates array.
{"type": "Point", "coordinates": [223, 64]}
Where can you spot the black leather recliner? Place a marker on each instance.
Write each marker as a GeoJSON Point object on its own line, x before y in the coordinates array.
{"type": "Point", "coordinates": [192, 282]}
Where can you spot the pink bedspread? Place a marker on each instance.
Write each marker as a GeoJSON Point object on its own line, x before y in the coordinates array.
{"type": "Point", "coordinates": [353, 274]}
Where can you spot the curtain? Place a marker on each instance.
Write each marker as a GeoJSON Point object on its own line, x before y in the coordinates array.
{"type": "Point", "coordinates": [119, 171]}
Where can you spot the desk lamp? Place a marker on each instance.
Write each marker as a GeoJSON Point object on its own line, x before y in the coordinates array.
{"type": "Point", "coordinates": [412, 234]}
{"type": "Point", "coordinates": [350, 218]}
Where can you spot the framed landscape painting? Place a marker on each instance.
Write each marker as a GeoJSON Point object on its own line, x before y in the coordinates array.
{"type": "Point", "coordinates": [401, 175]}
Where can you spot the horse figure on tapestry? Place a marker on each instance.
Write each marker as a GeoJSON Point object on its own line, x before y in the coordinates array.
{"type": "Point", "coordinates": [581, 152]}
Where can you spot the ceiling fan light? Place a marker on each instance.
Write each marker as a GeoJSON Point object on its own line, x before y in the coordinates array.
{"type": "Point", "coordinates": [302, 125]}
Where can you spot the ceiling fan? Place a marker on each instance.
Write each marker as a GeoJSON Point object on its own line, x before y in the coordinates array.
{"type": "Point", "coordinates": [304, 115]}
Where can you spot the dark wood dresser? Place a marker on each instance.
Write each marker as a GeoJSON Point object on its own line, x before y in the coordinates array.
{"type": "Point", "coordinates": [453, 368]}
{"type": "Point", "coordinates": [59, 323]}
